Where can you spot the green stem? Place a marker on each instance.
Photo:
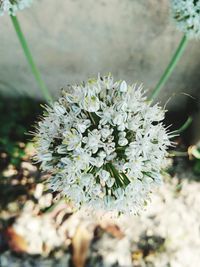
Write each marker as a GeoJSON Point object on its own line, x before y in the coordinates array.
{"type": "Point", "coordinates": [115, 174]}
{"type": "Point", "coordinates": [178, 154]}
{"type": "Point", "coordinates": [126, 180]}
{"type": "Point", "coordinates": [184, 127]}
{"type": "Point", "coordinates": [170, 68]}
{"type": "Point", "coordinates": [30, 60]}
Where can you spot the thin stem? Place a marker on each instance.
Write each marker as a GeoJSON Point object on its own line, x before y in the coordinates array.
{"type": "Point", "coordinates": [30, 60]}
{"type": "Point", "coordinates": [178, 154]}
{"type": "Point", "coordinates": [184, 126]}
{"type": "Point", "coordinates": [115, 174]}
{"type": "Point", "coordinates": [91, 117]}
{"type": "Point", "coordinates": [126, 180]}
{"type": "Point", "coordinates": [170, 68]}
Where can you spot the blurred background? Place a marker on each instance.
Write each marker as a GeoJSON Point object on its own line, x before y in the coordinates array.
{"type": "Point", "coordinates": [72, 41]}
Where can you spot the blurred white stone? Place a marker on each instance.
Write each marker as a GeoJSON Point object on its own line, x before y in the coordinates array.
{"type": "Point", "coordinates": [38, 191]}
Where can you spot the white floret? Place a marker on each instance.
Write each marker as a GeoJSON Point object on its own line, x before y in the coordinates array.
{"type": "Point", "coordinates": [12, 6]}
{"type": "Point", "coordinates": [186, 14]}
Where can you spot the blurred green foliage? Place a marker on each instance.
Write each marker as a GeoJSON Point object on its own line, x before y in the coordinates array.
{"type": "Point", "coordinates": [196, 167]}
{"type": "Point", "coordinates": [17, 117]}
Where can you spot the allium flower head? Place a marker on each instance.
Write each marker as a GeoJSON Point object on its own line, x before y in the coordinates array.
{"type": "Point", "coordinates": [12, 6]}
{"type": "Point", "coordinates": [186, 13]}
{"type": "Point", "coordinates": [103, 145]}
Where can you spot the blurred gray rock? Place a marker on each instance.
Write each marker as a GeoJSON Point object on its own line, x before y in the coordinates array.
{"type": "Point", "coordinates": [7, 259]}
{"type": "Point", "coordinates": [73, 40]}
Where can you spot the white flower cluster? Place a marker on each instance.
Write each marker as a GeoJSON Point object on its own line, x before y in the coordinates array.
{"type": "Point", "coordinates": [12, 6]}
{"type": "Point", "coordinates": [186, 13]}
{"type": "Point", "coordinates": [103, 144]}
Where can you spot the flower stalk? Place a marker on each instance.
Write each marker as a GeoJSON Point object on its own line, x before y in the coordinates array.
{"type": "Point", "coordinates": [30, 60]}
{"type": "Point", "coordinates": [170, 68]}
{"type": "Point", "coordinates": [185, 126]}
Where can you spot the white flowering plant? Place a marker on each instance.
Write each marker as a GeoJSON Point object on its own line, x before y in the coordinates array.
{"type": "Point", "coordinates": [186, 14]}
{"type": "Point", "coordinates": [12, 6]}
{"type": "Point", "coordinates": [103, 145]}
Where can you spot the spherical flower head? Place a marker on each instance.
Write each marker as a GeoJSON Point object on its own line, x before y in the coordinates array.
{"type": "Point", "coordinates": [103, 145]}
{"type": "Point", "coordinates": [186, 14]}
{"type": "Point", "coordinates": [12, 6]}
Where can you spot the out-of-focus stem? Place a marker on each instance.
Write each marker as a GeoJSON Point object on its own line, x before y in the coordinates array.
{"type": "Point", "coordinates": [30, 60]}
{"type": "Point", "coordinates": [172, 64]}
{"type": "Point", "coordinates": [184, 126]}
